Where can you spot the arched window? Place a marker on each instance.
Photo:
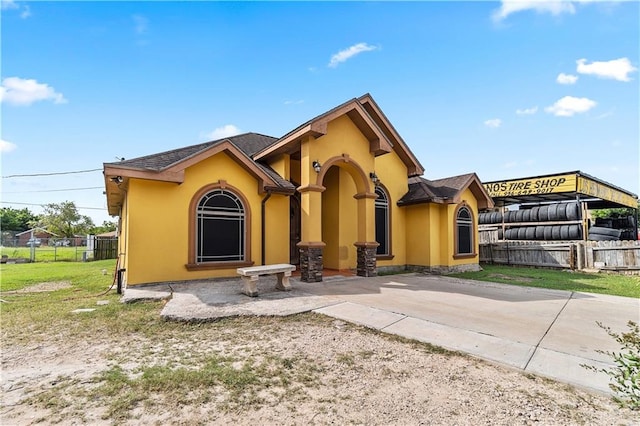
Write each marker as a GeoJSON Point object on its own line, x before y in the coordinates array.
{"type": "Point", "coordinates": [382, 222]}
{"type": "Point", "coordinates": [220, 228]}
{"type": "Point", "coordinates": [464, 231]}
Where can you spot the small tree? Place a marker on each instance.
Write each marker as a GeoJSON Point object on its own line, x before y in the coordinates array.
{"type": "Point", "coordinates": [107, 226]}
{"type": "Point", "coordinates": [16, 220]}
{"type": "Point", "coordinates": [64, 220]}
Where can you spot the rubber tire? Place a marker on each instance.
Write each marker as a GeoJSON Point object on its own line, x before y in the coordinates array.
{"type": "Point", "coordinates": [600, 237]}
{"type": "Point", "coordinates": [575, 232]}
{"type": "Point", "coordinates": [555, 233]}
{"type": "Point", "coordinates": [553, 213]}
{"type": "Point", "coordinates": [522, 233]}
{"type": "Point", "coordinates": [562, 211]}
{"type": "Point", "coordinates": [530, 233]}
{"type": "Point", "coordinates": [533, 216]}
{"type": "Point", "coordinates": [604, 231]}
{"type": "Point", "coordinates": [548, 233]}
{"type": "Point", "coordinates": [543, 214]}
{"type": "Point", "coordinates": [540, 232]}
{"type": "Point", "coordinates": [573, 211]}
{"type": "Point", "coordinates": [500, 234]}
{"type": "Point", "coordinates": [526, 216]}
{"type": "Point", "coordinates": [508, 235]}
{"type": "Point", "coordinates": [519, 215]}
{"type": "Point", "coordinates": [564, 232]}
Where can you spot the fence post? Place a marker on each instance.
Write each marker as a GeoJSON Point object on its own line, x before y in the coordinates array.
{"type": "Point", "coordinates": [580, 256]}
{"type": "Point", "coordinates": [572, 257]}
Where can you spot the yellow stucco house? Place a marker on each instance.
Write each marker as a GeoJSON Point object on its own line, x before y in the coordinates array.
{"type": "Point", "coordinates": [341, 191]}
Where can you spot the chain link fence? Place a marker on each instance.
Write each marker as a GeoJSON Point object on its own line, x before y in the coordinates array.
{"type": "Point", "coordinates": [18, 249]}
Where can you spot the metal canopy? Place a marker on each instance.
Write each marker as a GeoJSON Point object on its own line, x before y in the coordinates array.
{"type": "Point", "coordinates": [568, 186]}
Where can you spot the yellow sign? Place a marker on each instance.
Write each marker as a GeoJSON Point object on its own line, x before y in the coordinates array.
{"type": "Point", "coordinates": [598, 190]}
{"type": "Point", "coordinates": [532, 186]}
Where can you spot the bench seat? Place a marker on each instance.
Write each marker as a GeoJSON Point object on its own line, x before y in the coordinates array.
{"type": "Point", "coordinates": [250, 276]}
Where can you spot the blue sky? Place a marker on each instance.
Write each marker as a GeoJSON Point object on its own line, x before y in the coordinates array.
{"type": "Point", "coordinates": [503, 89]}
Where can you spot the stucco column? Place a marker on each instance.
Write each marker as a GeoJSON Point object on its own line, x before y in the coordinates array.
{"type": "Point", "coordinates": [366, 246]}
{"type": "Point", "coordinates": [311, 246]}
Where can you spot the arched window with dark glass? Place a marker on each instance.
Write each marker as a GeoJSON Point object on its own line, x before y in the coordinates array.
{"type": "Point", "coordinates": [220, 227]}
{"type": "Point", "coordinates": [382, 221]}
{"type": "Point", "coordinates": [464, 231]}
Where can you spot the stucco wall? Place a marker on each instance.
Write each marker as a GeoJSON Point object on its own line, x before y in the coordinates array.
{"type": "Point", "coordinates": [159, 212]}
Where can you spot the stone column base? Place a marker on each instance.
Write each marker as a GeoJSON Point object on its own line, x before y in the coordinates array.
{"type": "Point", "coordinates": [311, 261]}
{"type": "Point", "coordinates": [367, 259]}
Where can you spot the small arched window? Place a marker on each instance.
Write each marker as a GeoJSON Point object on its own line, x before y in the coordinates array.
{"type": "Point", "coordinates": [464, 231]}
{"type": "Point", "coordinates": [382, 222]}
{"type": "Point", "coordinates": [220, 228]}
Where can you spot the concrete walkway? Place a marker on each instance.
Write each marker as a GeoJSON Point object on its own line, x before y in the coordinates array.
{"type": "Point", "coordinates": [546, 332]}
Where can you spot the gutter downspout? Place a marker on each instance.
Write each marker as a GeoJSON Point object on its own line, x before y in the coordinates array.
{"type": "Point", "coordinates": [264, 225]}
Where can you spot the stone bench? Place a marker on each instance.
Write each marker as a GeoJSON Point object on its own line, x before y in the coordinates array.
{"type": "Point", "coordinates": [251, 275]}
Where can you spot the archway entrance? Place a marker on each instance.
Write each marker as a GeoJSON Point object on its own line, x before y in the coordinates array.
{"type": "Point", "coordinates": [339, 219]}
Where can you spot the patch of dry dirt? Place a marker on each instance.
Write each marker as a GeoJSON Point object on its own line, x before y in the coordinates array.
{"type": "Point", "coordinates": [42, 287]}
{"type": "Point", "coordinates": [511, 278]}
{"type": "Point", "coordinates": [337, 374]}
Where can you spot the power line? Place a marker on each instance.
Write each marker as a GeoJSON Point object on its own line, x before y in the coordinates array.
{"type": "Point", "coordinates": [54, 190]}
{"type": "Point", "coordinates": [51, 174]}
{"type": "Point", "coordinates": [43, 205]}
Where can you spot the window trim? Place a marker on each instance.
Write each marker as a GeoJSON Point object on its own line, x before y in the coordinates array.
{"type": "Point", "coordinates": [192, 265]}
{"type": "Point", "coordinates": [457, 254]}
{"type": "Point", "coordinates": [389, 254]}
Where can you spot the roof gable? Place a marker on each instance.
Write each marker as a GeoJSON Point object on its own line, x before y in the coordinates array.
{"type": "Point", "coordinates": [399, 146]}
{"type": "Point", "coordinates": [367, 116]}
{"type": "Point", "coordinates": [445, 191]}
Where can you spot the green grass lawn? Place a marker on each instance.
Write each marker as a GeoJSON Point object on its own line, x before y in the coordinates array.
{"type": "Point", "coordinates": [605, 283]}
{"type": "Point", "coordinates": [28, 314]}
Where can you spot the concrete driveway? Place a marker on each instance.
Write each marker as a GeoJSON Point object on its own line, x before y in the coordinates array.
{"type": "Point", "coordinates": [546, 332]}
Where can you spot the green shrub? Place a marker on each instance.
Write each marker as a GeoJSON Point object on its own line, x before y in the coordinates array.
{"type": "Point", "coordinates": [626, 375]}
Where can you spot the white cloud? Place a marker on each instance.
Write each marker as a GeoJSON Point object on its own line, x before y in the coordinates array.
{"type": "Point", "coordinates": [6, 146]}
{"type": "Point", "coordinates": [553, 7]}
{"type": "Point", "coordinates": [9, 4]}
{"type": "Point", "coordinates": [494, 123]}
{"type": "Point", "coordinates": [222, 132]}
{"type": "Point", "coordinates": [141, 24]}
{"type": "Point", "coordinates": [25, 11]}
{"type": "Point", "coordinates": [617, 69]}
{"type": "Point", "coordinates": [569, 106]}
{"type": "Point", "coordinates": [527, 111]}
{"type": "Point", "coordinates": [566, 78]}
{"type": "Point", "coordinates": [350, 52]}
{"type": "Point", "coordinates": [20, 91]}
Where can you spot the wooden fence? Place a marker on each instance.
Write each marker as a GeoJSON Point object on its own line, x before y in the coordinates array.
{"type": "Point", "coordinates": [105, 248]}
{"type": "Point", "coordinates": [622, 256]}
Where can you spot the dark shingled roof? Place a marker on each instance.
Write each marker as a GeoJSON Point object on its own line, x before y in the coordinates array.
{"type": "Point", "coordinates": [422, 190]}
{"type": "Point", "coordinates": [248, 143]}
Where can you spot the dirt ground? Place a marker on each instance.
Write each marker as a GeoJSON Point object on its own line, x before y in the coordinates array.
{"type": "Point", "coordinates": [320, 372]}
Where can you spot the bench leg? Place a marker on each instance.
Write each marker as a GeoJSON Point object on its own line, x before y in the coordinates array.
{"type": "Point", "coordinates": [250, 285]}
{"type": "Point", "coordinates": [283, 281]}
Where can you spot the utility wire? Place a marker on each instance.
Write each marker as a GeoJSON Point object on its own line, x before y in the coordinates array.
{"type": "Point", "coordinates": [43, 205]}
{"type": "Point", "coordinates": [51, 174]}
{"type": "Point", "coordinates": [54, 190]}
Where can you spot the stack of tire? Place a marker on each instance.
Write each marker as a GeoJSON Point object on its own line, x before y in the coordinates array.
{"type": "Point", "coordinates": [536, 216]}
{"type": "Point", "coordinates": [613, 229]}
